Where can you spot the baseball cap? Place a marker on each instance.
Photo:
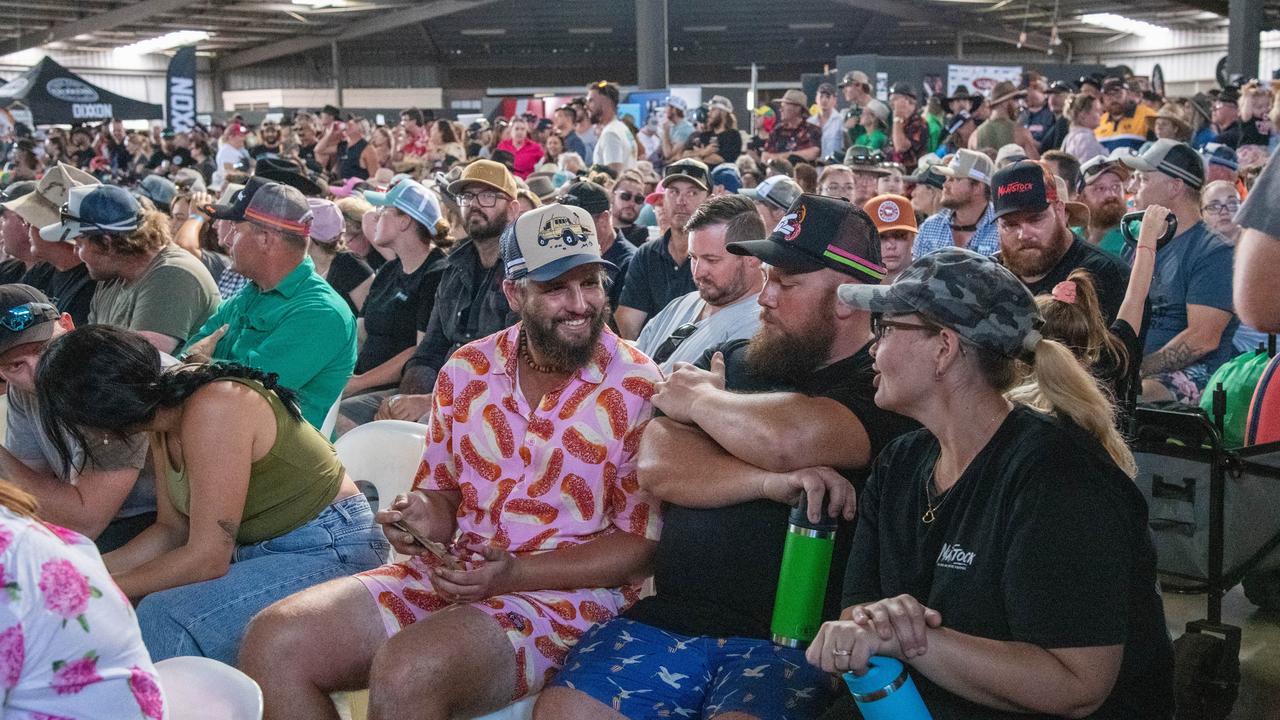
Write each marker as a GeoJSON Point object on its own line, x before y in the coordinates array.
{"type": "Point", "coordinates": [587, 195]}
{"type": "Point", "coordinates": [268, 204]}
{"type": "Point", "coordinates": [157, 189]}
{"type": "Point", "coordinates": [1023, 186]}
{"type": "Point", "coordinates": [1009, 154]}
{"type": "Point", "coordinates": [15, 190]}
{"type": "Point", "coordinates": [879, 109]}
{"type": "Point", "coordinates": [1114, 83]}
{"type": "Point", "coordinates": [1059, 86]}
{"type": "Point", "coordinates": [189, 179]}
{"type": "Point", "coordinates": [546, 242]}
{"type": "Point", "coordinates": [959, 289]}
{"type": "Point", "coordinates": [1099, 165]}
{"type": "Point", "coordinates": [491, 174]}
{"type": "Point", "coordinates": [94, 210]}
{"type": "Point", "coordinates": [695, 171]}
{"type": "Point", "coordinates": [820, 232]}
{"type": "Point", "coordinates": [903, 88]}
{"type": "Point", "coordinates": [326, 221]}
{"type": "Point", "coordinates": [891, 212]}
{"type": "Point", "coordinates": [677, 102]}
{"type": "Point", "coordinates": [26, 316]}
{"type": "Point", "coordinates": [855, 76]}
{"type": "Point", "coordinates": [720, 102]}
{"type": "Point", "coordinates": [40, 208]}
{"type": "Point", "coordinates": [826, 88]}
{"type": "Point", "coordinates": [970, 165]}
{"type": "Point", "coordinates": [288, 173]}
{"type": "Point", "coordinates": [727, 175]}
{"type": "Point", "coordinates": [1173, 158]}
{"type": "Point", "coordinates": [411, 198]}
{"type": "Point", "coordinates": [1219, 154]}
{"type": "Point", "coordinates": [928, 175]}
{"type": "Point", "coordinates": [777, 190]}
{"type": "Point", "coordinates": [236, 129]}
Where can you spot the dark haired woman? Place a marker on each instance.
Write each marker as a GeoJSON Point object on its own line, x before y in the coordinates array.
{"type": "Point", "coordinates": [252, 504]}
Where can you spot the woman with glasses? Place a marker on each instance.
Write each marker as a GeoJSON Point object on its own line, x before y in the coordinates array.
{"type": "Point", "coordinates": [251, 501]}
{"type": "Point", "coordinates": [836, 181]}
{"type": "Point", "coordinates": [1002, 552]}
{"type": "Point", "coordinates": [1219, 201]}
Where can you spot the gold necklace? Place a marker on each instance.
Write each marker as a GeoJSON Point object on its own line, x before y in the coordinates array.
{"type": "Point", "coordinates": [524, 355]}
{"type": "Point", "coordinates": [931, 510]}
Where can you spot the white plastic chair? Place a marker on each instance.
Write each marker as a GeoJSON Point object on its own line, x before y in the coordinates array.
{"type": "Point", "coordinates": [197, 688]}
{"type": "Point", "coordinates": [331, 419]}
{"type": "Point", "coordinates": [384, 454]}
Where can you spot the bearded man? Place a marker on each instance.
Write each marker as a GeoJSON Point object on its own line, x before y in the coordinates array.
{"type": "Point", "coordinates": [526, 525]}
{"type": "Point", "coordinates": [1036, 243]}
{"type": "Point", "coordinates": [748, 431]}
{"type": "Point", "coordinates": [1103, 181]}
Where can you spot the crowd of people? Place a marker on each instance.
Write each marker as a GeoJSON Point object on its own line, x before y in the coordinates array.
{"type": "Point", "coordinates": [634, 350]}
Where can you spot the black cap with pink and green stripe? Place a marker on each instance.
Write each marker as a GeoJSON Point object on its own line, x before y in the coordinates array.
{"type": "Point", "coordinates": [821, 232]}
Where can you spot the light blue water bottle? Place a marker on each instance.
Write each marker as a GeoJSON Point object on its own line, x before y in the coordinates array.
{"type": "Point", "coordinates": [887, 692]}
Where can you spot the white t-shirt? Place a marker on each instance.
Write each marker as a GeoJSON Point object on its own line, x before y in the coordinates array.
{"type": "Point", "coordinates": [616, 145]}
{"type": "Point", "coordinates": [732, 322]}
{"type": "Point", "coordinates": [227, 155]}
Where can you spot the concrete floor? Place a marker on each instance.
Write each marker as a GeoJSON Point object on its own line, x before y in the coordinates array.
{"type": "Point", "coordinates": [1259, 651]}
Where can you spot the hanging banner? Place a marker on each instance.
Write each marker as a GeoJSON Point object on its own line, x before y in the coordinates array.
{"type": "Point", "coordinates": [180, 90]}
{"type": "Point", "coordinates": [981, 78]}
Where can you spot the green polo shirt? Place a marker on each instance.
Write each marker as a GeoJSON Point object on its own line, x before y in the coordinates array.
{"type": "Point", "coordinates": [302, 330]}
{"type": "Point", "coordinates": [1112, 241]}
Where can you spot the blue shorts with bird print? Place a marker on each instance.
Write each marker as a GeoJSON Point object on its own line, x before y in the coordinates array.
{"type": "Point", "coordinates": [643, 672]}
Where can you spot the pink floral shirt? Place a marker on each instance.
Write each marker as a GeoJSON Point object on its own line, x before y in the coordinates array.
{"type": "Point", "coordinates": [546, 477]}
{"type": "Point", "coordinates": [69, 641]}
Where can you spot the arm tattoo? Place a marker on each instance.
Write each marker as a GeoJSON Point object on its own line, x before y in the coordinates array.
{"type": "Point", "coordinates": [1174, 356]}
{"type": "Point", "coordinates": [229, 528]}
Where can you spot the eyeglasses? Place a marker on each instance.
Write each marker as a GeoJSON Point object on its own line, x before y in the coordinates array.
{"type": "Point", "coordinates": [687, 170]}
{"type": "Point", "coordinates": [672, 343]}
{"type": "Point", "coordinates": [22, 317]}
{"type": "Point", "coordinates": [625, 196]}
{"type": "Point", "coordinates": [485, 199]}
{"type": "Point", "coordinates": [881, 327]}
{"type": "Point", "coordinates": [1217, 207]}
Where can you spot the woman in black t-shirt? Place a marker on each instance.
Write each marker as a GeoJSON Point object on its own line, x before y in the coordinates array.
{"type": "Point", "coordinates": [1003, 551]}
{"type": "Point", "coordinates": [342, 269]}
{"type": "Point", "coordinates": [399, 297]}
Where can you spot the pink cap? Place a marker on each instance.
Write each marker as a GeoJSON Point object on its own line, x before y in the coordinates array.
{"type": "Point", "coordinates": [326, 221]}
{"type": "Point", "coordinates": [236, 128]}
{"type": "Point", "coordinates": [655, 197]}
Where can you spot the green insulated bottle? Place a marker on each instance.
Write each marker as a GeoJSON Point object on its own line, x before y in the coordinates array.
{"type": "Point", "coordinates": [802, 582]}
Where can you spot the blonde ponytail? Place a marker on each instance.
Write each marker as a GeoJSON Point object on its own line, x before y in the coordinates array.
{"type": "Point", "coordinates": [1059, 384]}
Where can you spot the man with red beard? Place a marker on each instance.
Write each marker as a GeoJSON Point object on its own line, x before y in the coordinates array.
{"type": "Point", "coordinates": [755, 426]}
{"type": "Point", "coordinates": [527, 492]}
{"type": "Point", "coordinates": [1037, 245]}
{"type": "Point", "coordinates": [1103, 181]}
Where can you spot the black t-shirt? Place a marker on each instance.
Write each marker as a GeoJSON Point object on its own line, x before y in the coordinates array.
{"type": "Point", "coordinates": [1110, 275]}
{"type": "Point", "coordinates": [346, 273]}
{"type": "Point", "coordinates": [259, 151]}
{"type": "Point", "coordinates": [397, 309]}
{"type": "Point", "coordinates": [12, 271]}
{"type": "Point", "coordinates": [1120, 375]}
{"type": "Point", "coordinates": [349, 161]}
{"type": "Point", "coordinates": [1055, 553]}
{"type": "Point", "coordinates": [728, 143]}
{"type": "Point", "coordinates": [620, 254]}
{"type": "Point", "coordinates": [716, 570]}
{"type": "Point", "coordinates": [654, 279]}
{"type": "Point", "coordinates": [72, 292]}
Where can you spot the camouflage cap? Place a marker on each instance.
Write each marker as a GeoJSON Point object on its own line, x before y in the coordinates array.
{"type": "Point", "coordinates": [959, 289]}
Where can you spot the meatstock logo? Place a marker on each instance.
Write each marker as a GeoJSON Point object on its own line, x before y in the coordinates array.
{"type": "Point", "coordinates": [954, 557]}
{"type": "Point", "coordinates": [71, 90]}
{"type": "Point", "coordinates": [791, 223]}
{"type": "Point", "coordinates": [888, 211]}
{"type": "Point", "coordinates": [1013, 187]}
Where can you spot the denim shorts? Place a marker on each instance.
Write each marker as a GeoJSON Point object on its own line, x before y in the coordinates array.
{"type": "Point", "coordinates": [209, 618]}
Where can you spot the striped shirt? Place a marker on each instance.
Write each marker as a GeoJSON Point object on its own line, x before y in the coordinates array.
{"type": "Point", "coordinates": [935, 234]}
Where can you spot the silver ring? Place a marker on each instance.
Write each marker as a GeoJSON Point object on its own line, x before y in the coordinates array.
{"type": "Point", "coordinates": [841, 653]}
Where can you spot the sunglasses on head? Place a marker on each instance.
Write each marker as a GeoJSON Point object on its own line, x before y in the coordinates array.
{"type": "Point", "coordinates": [692, 171]}
{"type": "Point", "coordinates": [19, 318]}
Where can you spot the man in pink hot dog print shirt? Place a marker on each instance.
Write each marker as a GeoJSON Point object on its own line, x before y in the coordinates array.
{"type": "Point", "coordinates": [528, 478]}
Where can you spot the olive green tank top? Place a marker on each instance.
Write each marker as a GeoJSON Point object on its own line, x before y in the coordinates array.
{"type": "Point", "coordinates": [288, 487]}
{"type": "Point", "coordinates": [995, 133]}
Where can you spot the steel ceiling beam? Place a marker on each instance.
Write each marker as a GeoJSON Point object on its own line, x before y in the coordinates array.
{"type": "Point", "coordinates": [362, 28]}
{"type": "Point", "coordinates": [126, 15]}
{"type": "Point", "coordinates": [990, 30]}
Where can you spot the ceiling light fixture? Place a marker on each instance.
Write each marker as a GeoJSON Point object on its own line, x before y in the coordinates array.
{"type": "Point", "coordinates": [178, 38]}
{"type": "Point", "coordinates": [1123, 24]}
{"type": "Point", "coordinates": [811, 26]}
{"type": "Point", "coordinates": [590, 31]}
{"type": "Point", "coordinates": [318, 4]}
{"type": "Point", "coordinates": [484, 32]}
{"type": "Point", "coordinates": [705, 28]}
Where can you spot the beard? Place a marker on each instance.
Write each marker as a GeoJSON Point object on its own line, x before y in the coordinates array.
{"type": "Point", "coordinates": [719, 296]}
{"type": "Point", "coordinates": [1033, 261]}
{"type": "Point", "coordinates": [784, 355]}
{"type": "Point", "coordinates": [555, 351]}
{"type": "Point", "coordinates": [480, 227]}
{"type": "Point", "coordinates": [627, 214]}
{"type": "Point", "coordinates": [1107, 213]}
